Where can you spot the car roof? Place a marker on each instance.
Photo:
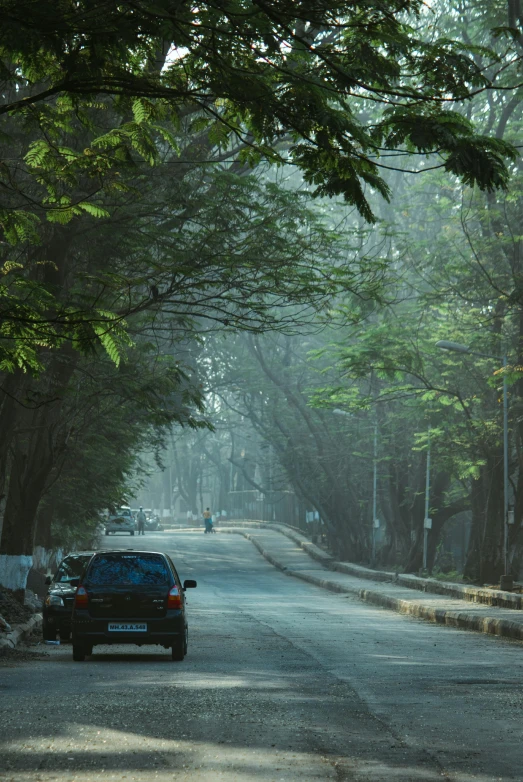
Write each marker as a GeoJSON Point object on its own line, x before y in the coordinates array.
{"type": "Point", "coordinates": [127, 550]}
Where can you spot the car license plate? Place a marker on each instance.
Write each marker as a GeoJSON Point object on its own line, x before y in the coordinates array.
{"type": "Point", "coordinates": [127, 627]}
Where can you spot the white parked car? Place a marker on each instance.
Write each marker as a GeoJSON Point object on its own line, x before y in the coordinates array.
{"type": "Point", "coordinates": [121, 521]}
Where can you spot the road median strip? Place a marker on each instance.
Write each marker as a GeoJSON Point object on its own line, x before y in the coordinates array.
{"type": "Point", "coordinates": [465, 620]}
{"type": "Point", "coordinates": [485, 596]}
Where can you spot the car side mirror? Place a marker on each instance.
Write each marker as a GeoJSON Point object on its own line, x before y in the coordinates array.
{"type": "Point", "coordinates": [189, 584]}
{"type": "Point", "coordinates": [74, 582]}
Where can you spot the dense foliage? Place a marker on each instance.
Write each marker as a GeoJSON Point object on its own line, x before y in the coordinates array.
{"type": "Point", "coordinates": [453, 272]}
{"type": "Point", "coordinates": [159, 165]}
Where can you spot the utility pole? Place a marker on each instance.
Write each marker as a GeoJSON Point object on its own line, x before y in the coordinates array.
{"type": "Point", "coordinates": [506, 576]}
{"type": "Point", "coordinates": [427, 522]}
{"type": "Point", "coordinates": [375, 521]}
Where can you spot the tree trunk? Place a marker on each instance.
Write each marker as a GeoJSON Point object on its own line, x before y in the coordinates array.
{"type": "Point", "coordinates": [44, 521]}
{"type": "Point", "coordinates": [484, 557]}
{"type": "Point", "coordinates": [28, 476]}
{"type": "Point", "coordinates": [34, 454]}
{"type": "Point", "coordinates": [491, 564]}
{"type": "Point", "coordinates": [11, 405]}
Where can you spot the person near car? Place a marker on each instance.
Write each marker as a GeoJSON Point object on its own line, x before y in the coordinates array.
{"type": "Point", "coordinates": [140, 518]}
{"type": "Point", "coordinates": [207, 519]}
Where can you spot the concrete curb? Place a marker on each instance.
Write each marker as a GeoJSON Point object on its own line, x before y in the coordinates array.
{"type": "Point", "coordinates": [314, 551]}
{"type": "Point", "coordinates": [494, 597]}
{"type": "Point", "coordinates": [365, 572]}
{"type": "Point", "coordinates": [20, 632]}
{"type": "Point", "coordinates": [266, 555]}
{"type": "Point", "coordinates": [462, 620]}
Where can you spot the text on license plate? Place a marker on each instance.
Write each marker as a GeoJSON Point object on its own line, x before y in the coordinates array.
{"type": "Point", "coordinates": [127, 627]}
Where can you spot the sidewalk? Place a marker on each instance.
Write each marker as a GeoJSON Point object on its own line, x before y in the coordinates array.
{"type": "Point", "coordinates": [289, 556]}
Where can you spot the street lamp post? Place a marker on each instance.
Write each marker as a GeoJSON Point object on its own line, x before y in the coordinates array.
{"type": "Point", "coordinates": [458, 348]}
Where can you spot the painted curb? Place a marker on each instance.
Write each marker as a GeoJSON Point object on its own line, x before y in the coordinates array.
{"type": "Point", "coordinates": [492, 597]}
{"type": "Point", "coordinates": [496, 598]}
{"type": "Point", "coordinates": [21, 632]}
{"type": "Point", "coordinates": [462, 620]}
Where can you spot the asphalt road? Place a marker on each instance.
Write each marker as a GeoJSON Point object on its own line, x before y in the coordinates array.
{"type": "Point", "coordinates": [283, 681]}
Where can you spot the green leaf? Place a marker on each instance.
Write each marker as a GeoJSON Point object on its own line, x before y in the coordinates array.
{"type": "Point", "coordinates": [94, 209]}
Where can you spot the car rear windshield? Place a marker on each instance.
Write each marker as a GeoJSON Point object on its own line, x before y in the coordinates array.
{"type": "Point", "coordinates": [125, 569]}
{"type": "Point", "coordinates": [71, 567]}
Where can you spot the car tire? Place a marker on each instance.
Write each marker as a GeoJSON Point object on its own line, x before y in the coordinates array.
{"type": "Point", "coordinates": [132, 534]}
{"type": "Point", "coordinates": [79, 652]}
{"type": "Point", "coordinates": [106, 532]}
{"type": "Point", "coordinates": [48, 632]}
{"type": "Point", "coordinates": [178, 651]}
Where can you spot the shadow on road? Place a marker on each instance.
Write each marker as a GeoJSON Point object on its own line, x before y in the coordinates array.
{"type": "Point", "coordinates": [268, 692]}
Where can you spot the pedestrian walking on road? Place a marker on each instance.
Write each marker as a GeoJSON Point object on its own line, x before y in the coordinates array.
{"type": "Point", "coordinates": [207, 520]}
{"type": "Point", "coordinates": [140, 518]}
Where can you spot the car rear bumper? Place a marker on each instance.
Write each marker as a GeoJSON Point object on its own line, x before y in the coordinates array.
{"type": "Point", "coordinates": [164, 631]}
{"type": "Point", "coordinates": [126, 530]}
{"type": "Point", "coordinates": [59, 618]}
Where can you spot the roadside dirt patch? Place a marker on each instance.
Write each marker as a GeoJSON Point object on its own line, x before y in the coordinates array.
{"type": "Point", "coordinates": [11, 657]}
{"type": "Point", "coordinates": [12, 611]}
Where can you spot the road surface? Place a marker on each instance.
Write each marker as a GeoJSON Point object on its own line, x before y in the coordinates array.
{"type": "Point", "coordinates": [283, 681]}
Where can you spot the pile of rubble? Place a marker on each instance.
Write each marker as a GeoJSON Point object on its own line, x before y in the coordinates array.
{"type": "Point", "coordinates": [12, 612]}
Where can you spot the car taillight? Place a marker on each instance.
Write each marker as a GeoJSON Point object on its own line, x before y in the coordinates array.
{"type": "Point", "coordinates": [81, 598]}
{"type": "Point", "coordinates": [174, 599]}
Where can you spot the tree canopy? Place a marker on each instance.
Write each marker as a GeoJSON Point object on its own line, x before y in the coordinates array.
{"type": "Point", "coordinates": [283, 79]}
{"type": "Point", "coordinates": [181, 182]}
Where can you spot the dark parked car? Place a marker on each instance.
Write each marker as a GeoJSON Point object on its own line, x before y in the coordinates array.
{"type": "Point", "coordinates": [152, 524]}
{"type": "Point", "coordinates": [58, 602]}
{"type": "Point", "coordinates": [130, 597]}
